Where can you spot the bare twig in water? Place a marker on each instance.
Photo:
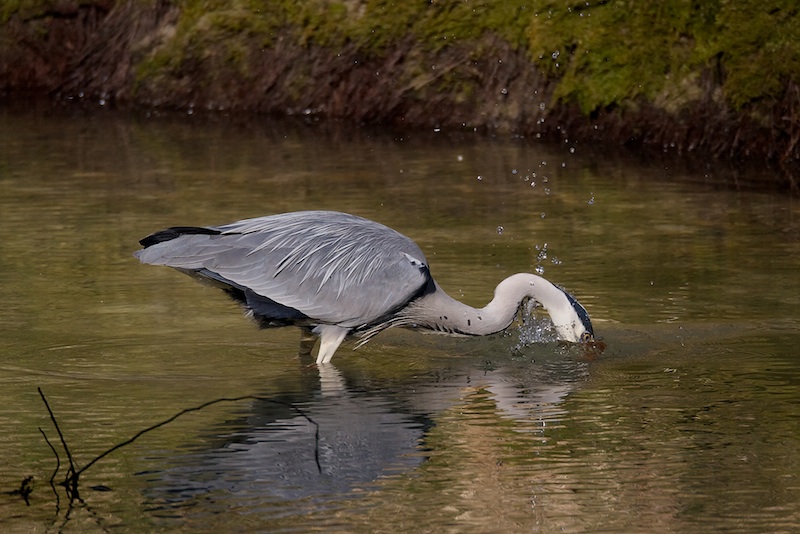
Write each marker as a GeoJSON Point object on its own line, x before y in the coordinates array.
{"type": "Point", "coordinates": [71, 480]}
{"type": "Point", "coordinates": [55, 471]}
{"type": "Point", "coordinates": [73, 474]}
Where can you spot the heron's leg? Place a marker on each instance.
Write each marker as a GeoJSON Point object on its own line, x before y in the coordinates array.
{"type": "Point", "coordinates": [331, 382]}
{"type": "Point", "coordinates": [330, 337]}
{"type": "Point", "coordinates": [307, 341]}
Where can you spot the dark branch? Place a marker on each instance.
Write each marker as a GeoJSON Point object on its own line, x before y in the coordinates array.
{"type": "Point", "coordinates": [58, 429]}
{"type": "Point", "coordinates": [58, 466]}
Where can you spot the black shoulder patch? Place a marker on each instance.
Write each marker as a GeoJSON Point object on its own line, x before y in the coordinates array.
{"type": "Point", "coordinates": [428, 287]}
{"type": "Point", "coordinates": [176, 231]}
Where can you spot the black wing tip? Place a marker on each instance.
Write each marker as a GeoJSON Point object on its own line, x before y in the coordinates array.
{"type": "Point", "coordinates": [169, 234]}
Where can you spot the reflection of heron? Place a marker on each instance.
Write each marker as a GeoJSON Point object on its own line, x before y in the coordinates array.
{"type": "Point", "coordinates": [318, 444]}
{"type": "Point", "coordinates": [334, 274]}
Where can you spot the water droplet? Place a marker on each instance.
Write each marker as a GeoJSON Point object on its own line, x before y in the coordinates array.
{"type": "Point", "coordinates": [460, 157]}
{"type": "Point", "coordinates": [542, 255]}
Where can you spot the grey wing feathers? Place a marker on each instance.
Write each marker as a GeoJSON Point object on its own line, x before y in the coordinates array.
{"type": "Point", "coordinates": [334, 267]}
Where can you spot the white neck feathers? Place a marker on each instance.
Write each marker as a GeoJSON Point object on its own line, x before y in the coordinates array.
{"type": "Point", "coordinates": [438, 311]}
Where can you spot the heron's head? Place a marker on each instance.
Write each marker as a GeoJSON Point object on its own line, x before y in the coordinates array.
{"type": "Point", "coordinates": [577, 328]}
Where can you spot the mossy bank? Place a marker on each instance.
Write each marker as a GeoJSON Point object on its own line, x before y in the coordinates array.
{"type": "Point", "coordinates": [713, 78]}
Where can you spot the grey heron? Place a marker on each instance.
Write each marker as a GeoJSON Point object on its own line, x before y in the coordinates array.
{"type": "Point", "coordinates": [336, 275]}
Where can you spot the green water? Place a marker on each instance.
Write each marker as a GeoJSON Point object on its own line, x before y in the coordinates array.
{"type": "Point", "coordinates": [686, 423]}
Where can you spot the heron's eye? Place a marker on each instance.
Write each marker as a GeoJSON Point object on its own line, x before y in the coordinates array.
{"type": "Point", "coordinates": [586, 336]}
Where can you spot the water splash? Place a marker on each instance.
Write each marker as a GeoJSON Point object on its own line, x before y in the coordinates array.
{"type": "Point", "coordinates": [534, 329]}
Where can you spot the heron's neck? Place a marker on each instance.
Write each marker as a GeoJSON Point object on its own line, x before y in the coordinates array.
{"type": "Point", "coordinates": [440, 312]}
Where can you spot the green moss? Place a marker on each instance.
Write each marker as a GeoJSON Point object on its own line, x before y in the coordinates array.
{"type": "Point", "coordinates": [610, 53]}
{"type": "Point", "coordinates": [758, 45]}
{"type": "Point", "coordinates": [464, 20]}
{"type": "Point", "coordinates": [212, 28]}
{"type": "Point", "coordinates": [219, 34]}
{"type": "Point", "coordinates": [24, 8]}
{"type": "Point", "coordinates": [384, 23]}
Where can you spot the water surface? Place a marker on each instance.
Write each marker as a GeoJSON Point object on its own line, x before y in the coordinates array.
{"type": "Point", "coordinates": [686, 423]}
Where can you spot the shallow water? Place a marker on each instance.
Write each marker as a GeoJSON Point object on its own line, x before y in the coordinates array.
{"type": "Point", "coordinates": [686, 423]}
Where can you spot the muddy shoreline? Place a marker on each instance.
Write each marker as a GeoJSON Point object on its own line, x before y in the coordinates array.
{"type": "Point", "coordinates": [164, 55]}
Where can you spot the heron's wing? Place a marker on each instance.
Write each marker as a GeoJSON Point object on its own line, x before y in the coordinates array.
{"type": "Point", "coordinates": [333, 267]}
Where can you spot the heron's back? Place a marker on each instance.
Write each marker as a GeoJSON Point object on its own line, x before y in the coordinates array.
{"type": "Point", "coordinates": [332, 267]}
